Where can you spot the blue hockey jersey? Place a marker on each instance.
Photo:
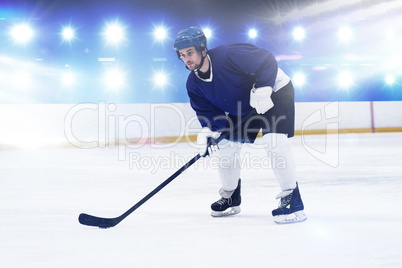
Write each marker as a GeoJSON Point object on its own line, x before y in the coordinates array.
{"type": "Point", "coordinates": [235, 69]}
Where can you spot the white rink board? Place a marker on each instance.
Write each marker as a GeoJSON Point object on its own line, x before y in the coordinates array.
{"type": "Point", "coordinates": [102, 124]}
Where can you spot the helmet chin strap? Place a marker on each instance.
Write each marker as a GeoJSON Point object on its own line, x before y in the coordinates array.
{"type": "Point", "coordinates": [202, 61]}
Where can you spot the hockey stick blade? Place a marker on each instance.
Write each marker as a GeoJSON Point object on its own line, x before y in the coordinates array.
{"type": "Point", "coordinates": [104, 223]}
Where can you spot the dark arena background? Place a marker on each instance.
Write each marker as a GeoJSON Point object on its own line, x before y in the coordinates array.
{"type": "Point", "coordinates": [80, 51]}
{"type": "Point", "coordinates": [94, 115]}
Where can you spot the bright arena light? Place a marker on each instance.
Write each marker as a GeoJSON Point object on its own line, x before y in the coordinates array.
{"type": "Point", "coordinates": [345, 80]}
{"type": "Point", "coordinates": [299, 79]}
{"type": "Point", "coordinates": [390, 33]}
{"type": "Point", "coordinates": [299, 33]}
{"type": "Point", "coordinates": [345, 34]}
{"type": "Point", "coordinates": [160, 33]}
{"type": "Point", "coordinates": [207, 32]}
{"type": "Point", "coordinates": [160, 79]}
{"type": "Point", "coordinates": [22, 80]}
{"type": "Point", "coordinates": [114, 33]}
{"type": "Point", "coordinates": [252, 33]}
{"type": "Point", "coordinates": [114, 79]}
{"type": "Point", "coordinates": [68, 79]}
{"type": "Point", "coordinates": [22, 33]}
{"type": "Point", "coordinates": [5, 59]}
{"type": "Point", "coordinates": [390, 79]}
{"type": "Point", "coordinates": [68, 33]}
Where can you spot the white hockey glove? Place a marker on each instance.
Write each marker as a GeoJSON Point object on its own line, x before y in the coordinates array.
{"type": "Point", "coordinates": [260, 99]}
{"type": "Point", "coordinates": [206, 141]}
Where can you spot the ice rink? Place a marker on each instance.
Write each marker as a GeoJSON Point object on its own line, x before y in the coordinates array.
{"type": "Point", "coordinates": [352, 195]}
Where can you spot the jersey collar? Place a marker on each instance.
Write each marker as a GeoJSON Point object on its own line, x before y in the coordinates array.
{"type": "Point", "coordinates": [210, 76]}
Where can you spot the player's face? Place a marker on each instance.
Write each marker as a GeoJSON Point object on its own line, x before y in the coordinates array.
{"type": "Point", "coordinates": [191, 57]}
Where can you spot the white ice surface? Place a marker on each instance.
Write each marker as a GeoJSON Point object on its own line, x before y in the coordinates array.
{"type": "Point", "coordinates": [354, 209]}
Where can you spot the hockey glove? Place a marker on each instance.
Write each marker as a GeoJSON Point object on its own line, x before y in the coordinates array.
{"type": "Point", "coordinates": [260, 99]}
{"type": "Point", "coordinates": [206, 144]}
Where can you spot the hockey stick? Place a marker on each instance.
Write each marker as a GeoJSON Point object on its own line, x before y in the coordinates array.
{"type": "Point", "coordinates": [100, 222]}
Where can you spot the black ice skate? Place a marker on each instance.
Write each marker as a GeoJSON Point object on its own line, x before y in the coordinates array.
{"type": "Point", "coordinates": [291, 208]}
{"type": "Point", "coordinates": [228, 205]}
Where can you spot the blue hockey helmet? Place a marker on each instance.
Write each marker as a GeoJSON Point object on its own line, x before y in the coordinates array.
{"type": "Point", "coordinates": [192, 36]}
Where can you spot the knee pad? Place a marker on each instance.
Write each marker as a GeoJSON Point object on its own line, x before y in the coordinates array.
{"type": "Point", "coordinates": [228, 157]}
{"type": "Point", "coordinates": [275, 141]}
{"type": "Point", "coordinates": [278, 147]}
{"type": "Point", "coordinates": [228, 149]}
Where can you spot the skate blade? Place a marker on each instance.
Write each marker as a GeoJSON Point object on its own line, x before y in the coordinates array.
{"type": "Point", "coordinates": [297, 216]}
{"type": "Point", "coordinates": [228, 212]}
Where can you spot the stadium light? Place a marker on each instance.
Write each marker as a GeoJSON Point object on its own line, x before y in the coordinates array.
{"type": "Point", "coordinates": [252, 33]}
{"type": "Point", "coordinates": [22, 33]}
{"type": "Point", "coordinates": [68, 33]}
{"type": "Point", "coordinates": [345, 80]}
{"type": "Point", "coordinates": [160, 33]}
{"type": "Point", "coordinates": [390, 33]}
{"type": "Point", "coordinates": [114, 33]}
{"type": "Point", "coordinates": [5, 59]}
{"type": "Point", "coordinates": [390, 80]}
{"type": "Point", "coordinates": [22, 80]}
{"type": "Point", "coordinates": [207, 32]}
{"type": "Point", "coordinates": [345, 34]}
{"type": "Point", "coordinates": [299, 79]}
{"type": "Point", "coordinates": [68, 79]}
{"type": "Point", "coordinates": [114, 79]}
{"type": "Point", "coordinates": [160, 79]}
{"type": "Point", "coordinates": [299, 33]}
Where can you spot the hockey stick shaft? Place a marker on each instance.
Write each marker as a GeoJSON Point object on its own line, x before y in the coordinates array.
{"type": "Point", "coordinates": [90, 220]}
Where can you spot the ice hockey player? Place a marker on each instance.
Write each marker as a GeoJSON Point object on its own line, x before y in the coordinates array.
{"type": "Point", "coordinates": [224, 85]}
